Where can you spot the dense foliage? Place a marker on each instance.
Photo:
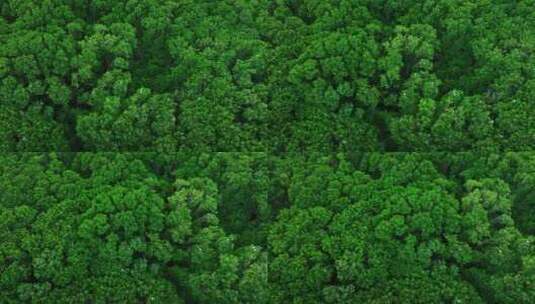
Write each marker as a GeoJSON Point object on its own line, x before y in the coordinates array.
{"type": "Point", "coordinates": [275, 75]}
{"type": "Point", "coordinates": [267, 151]}
{"type": "Point", "coordinates": [104, 228]}
{"type": "Point", "coordinates": [406, 228]}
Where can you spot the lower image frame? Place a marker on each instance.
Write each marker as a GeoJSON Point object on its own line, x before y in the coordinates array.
{"type": "Point", "coordinates": [263, 228]}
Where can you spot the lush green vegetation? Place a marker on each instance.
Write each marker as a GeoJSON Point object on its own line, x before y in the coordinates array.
{"type": "Point", "coordinates": [250, 228]}
{"type": "Point", "coordinates": [404, 228]}
{"type": "Point", "coordinates": [131, 228]}
{"type": "Point", "coordinates": [275, 75]}
{"type": "Point", "coordinates": [267, 151]}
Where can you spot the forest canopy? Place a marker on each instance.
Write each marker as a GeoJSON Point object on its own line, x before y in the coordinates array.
{"type": "Point", "coordinates": [267, 75]}
{"type": "Point", "coordinates": [267, 151]}
{"type": "Point", "coordinates": [250, 228]}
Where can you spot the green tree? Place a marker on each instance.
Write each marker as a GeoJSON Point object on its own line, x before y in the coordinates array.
{"type": "Point", "coordinates": [106, 229]}
{"type": "Point", "coordinates": [406, 236]}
